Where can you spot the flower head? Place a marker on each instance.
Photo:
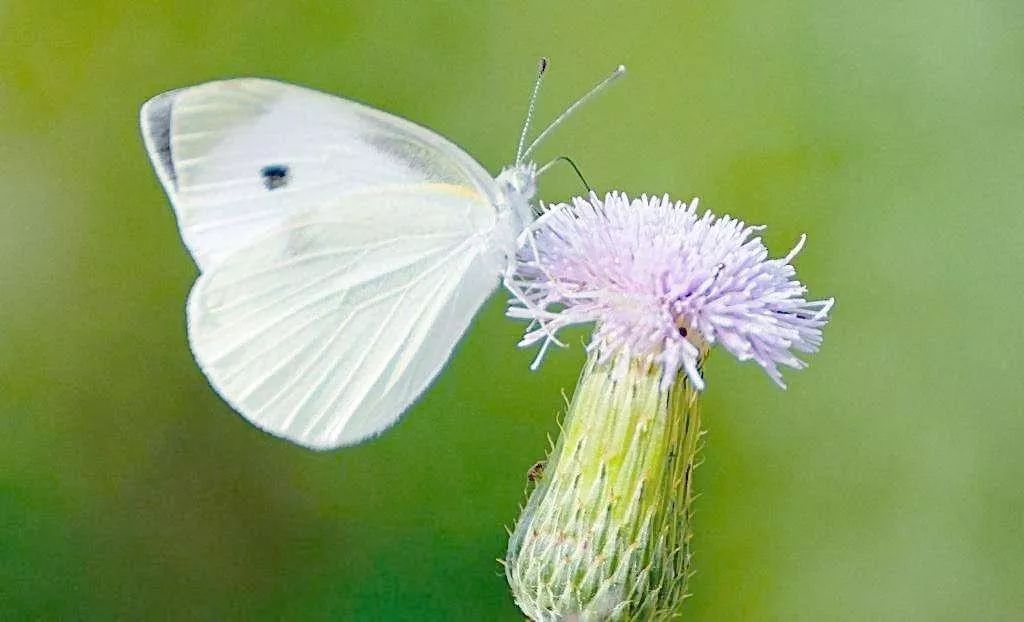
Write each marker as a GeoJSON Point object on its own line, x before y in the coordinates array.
{"type": "Point", "coordinates": [663, 284]}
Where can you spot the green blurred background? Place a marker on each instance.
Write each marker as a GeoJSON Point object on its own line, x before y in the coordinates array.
{"type": "Point", "coordinates": [885, 484]}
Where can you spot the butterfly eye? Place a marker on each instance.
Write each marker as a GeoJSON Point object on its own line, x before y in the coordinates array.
{"type": "Point", "coordinates": [274, 176]}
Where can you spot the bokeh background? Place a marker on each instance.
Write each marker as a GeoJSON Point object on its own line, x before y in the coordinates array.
{"type": "Point", "coordinates": [885, 484]}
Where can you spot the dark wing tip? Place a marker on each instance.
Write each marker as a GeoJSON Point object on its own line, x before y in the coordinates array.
{"type": "Point", "coordinates": [155, 120]}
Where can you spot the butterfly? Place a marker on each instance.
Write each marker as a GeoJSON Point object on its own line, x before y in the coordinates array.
{"type": "Point", "coordinates": [343, 251]}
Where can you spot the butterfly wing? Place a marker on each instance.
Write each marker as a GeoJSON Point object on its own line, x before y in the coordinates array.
{"type": "Point", "coordinates": [343, 251]}
{"type": "Point", "coordinates": [325, 331]}
{"type": "Point", "coordinates": [238, 158]}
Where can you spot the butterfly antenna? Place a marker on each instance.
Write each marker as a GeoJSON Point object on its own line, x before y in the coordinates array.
{"type": "Point", "coordinates": [600, 86]}
{"type": "Point", "coordinates": [568, 161]}
{"type": "Point", "coordinates": [541, 68]}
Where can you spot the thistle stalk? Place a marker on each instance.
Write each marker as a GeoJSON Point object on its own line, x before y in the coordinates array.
{"type": "Point", "coordinates": [605, 535]}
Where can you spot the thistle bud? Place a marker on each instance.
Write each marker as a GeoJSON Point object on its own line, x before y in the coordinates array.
{"type": "Point", "coordinates": [605, 535]}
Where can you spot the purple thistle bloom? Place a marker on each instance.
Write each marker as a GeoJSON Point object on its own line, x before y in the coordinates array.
{"type": "Point", "coordinates": [663, 284]}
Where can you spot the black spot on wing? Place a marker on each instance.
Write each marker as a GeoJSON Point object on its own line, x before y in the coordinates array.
{"type": "Point", "coordinates": [274, 176]}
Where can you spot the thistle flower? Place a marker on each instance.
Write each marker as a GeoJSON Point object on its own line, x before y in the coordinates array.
{"type": "Point", "coordinates": [605, 534]}
{"type": "Point", "coordinates": [663, 285]}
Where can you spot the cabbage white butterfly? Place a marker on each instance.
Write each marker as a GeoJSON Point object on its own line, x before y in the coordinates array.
{"type": "Point", "coordinates": [342, 251]}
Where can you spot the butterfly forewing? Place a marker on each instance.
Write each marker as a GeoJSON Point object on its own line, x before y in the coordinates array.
{"type": "Point", "coordinates": [240, 157]}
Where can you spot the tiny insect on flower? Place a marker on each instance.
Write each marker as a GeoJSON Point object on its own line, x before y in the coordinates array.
{"type": "Point", "coordinates": [606, 533]}
{"type": "Point", "coordinates": [536, 471]}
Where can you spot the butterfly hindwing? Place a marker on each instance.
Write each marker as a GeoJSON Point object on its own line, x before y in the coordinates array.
{"type": "Point", "coordinates": [325, 331]}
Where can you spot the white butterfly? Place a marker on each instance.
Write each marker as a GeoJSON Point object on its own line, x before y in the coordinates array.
{"type": "Point", "coordinates": [343, 251]}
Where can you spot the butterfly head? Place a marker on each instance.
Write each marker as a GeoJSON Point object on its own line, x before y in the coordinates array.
{"type": "Point", "coordinates": [518, 185]}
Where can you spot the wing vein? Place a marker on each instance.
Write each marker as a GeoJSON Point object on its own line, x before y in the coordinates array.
{"type": "Point", "coordinates": [290, 313]}
{"type": "Point", "coordinates": [366, 352]}
{"type": "Point", "coordinates": [399, 346]}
